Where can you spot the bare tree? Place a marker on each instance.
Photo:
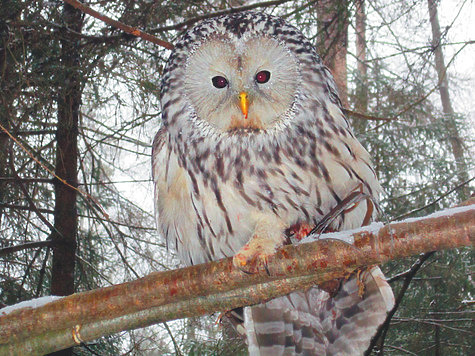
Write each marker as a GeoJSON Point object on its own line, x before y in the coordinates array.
{"type": "Point", "coordinates": [454, 136]}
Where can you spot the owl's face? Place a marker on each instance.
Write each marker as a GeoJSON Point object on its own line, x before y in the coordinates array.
{"type": "Point", "coordinates": [236, 83]}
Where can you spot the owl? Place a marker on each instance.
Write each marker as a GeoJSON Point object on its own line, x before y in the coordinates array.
{"type": "Point", "coordinates": [254, 147]}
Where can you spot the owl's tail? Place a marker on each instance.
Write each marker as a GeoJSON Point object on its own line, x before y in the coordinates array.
{"type": "Point", "coordinates": [316, 323]}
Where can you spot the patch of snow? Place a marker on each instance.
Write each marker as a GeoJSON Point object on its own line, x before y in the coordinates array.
{"type": "Point", "coordinates": [346, 236]}
{"type": "Point", "coordinates": [33, 303]}
{"type": "Point", "coordinates": [437, 214]}
{"type": "Point", "coordinates": [374, 228]}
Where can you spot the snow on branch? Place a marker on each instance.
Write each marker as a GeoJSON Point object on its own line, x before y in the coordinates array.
{"type": "Point", "coordinates": [218, 286]}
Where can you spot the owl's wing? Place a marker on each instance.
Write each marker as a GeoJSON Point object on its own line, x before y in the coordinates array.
{"type": "Point", "coordinates": [315, 323]}
{"type": "Point", "coordinates": [158, 150]}
{"type": "Point", "coordinates": [159, 153]}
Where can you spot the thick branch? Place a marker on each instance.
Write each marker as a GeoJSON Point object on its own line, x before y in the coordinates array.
{"type": "Point", "coordinates": [217, 286]}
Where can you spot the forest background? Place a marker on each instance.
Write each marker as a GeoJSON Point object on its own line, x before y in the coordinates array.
{"type": "Point", "coordinates": [79, 108]}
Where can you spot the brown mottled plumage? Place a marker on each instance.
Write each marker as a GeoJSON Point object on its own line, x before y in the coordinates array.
{"type": "Point", "coordinates": [253, 142]}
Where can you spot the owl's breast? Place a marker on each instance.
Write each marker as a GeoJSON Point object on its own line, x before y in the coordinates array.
{"type": "Point", "coordinates": [207, 204]}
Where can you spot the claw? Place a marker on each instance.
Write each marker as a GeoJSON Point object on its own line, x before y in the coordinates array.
{"type": "Point", "coordinates": [253, 257]}
{"type": "Point", "coordinates": [251, 263]}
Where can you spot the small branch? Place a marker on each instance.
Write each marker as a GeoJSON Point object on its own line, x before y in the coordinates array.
{"type": "Point", "coordinates": [26, 180]}
{"type": "Point", "coordinates": [31, 132]}
{"type": "Point", "coordinates": [87, 197]}
{"type": "Point", "coordinates": [22, 207]}
{"type": "Point", "coordinates": [401, 349]}
{"type": "Point", "coordinates": [42, 273]}
{"type": "Point", "coordinates": [210, 15]}
{"type": "Point", "coordinates": [117, 24]}
{"type": "Point", "coordinates": [412, 212]}
{"type": "Point", "coordinates": [380, 335]}
{"type": "Point", "coordinates": [28, 245]}
{"type": "Point", "coordinates": [27, 196]}
{"type": "Point", "coordinates": [218, 286]}
{"type": "Point", "coordinates": [359, 115]}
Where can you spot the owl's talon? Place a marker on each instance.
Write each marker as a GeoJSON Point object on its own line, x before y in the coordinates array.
{"type": "Point", "coordinates": [267, 268]}
{"type": "Point", "coordinates": [251, 264]}
{"type": "Point", "coordinates": [253, 257]}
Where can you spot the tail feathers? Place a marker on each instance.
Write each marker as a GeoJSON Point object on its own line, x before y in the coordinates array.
{"type": "Point", "coordinates": [315, 323]}
{"type": "Point", "coordinates": [352, 317]}
{"type": "Point", "coordinates": [284, 326]}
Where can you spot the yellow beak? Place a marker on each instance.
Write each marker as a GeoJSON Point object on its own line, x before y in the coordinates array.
{"type": "Point", "coordinates": [244, 103]}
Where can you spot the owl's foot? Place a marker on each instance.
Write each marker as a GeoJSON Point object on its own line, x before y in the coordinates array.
{"type": "Point", "coordinates": [253, 256]}
{"type": "Point", "coordinates": [298, 231]}
{"type": "Point", "coordinates": [268, 236]}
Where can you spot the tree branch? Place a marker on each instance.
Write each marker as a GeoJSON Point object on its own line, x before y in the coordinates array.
{"type": "Point", "coordinates": [218, 286]}
{"type": "Point", "coordinates": [25, 246]}
{"type": "Point", "coordinates": [117, 24]}
{"type": "Point", "coordinates": [218, 13]}
{"type": "Point", "coordinates": [380, 335]}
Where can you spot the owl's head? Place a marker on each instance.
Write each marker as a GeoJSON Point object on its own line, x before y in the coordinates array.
{"type": "Point", "coordinates": [237, 72]}
{"type": "Point", "coordinates": [241, 82]}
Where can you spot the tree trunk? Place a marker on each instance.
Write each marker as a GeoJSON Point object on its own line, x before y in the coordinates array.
{"type": "Point", "coordinates": [456, 141]}
{"type": "Point", "coordinates": [65, 212]}
{"type": "Point", "coordinates": [333, 41]}
{"type": "Point", "coordinates": [8, 88]}
{"type": "Point", "coordinates": [361, 100]}
{"type": "Point", "coordinates": [361, 97]}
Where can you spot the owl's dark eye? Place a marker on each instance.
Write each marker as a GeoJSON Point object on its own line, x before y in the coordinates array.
{"type": "Point", "coordinates": [219, 82]}
{"type": "Point", "coordinates": [263, 76]}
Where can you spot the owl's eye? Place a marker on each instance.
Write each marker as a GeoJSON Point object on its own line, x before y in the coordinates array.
{"type": "Point", "coordinates": [219, 82]}
{"type": "Point", "coordinates": [263, 76]}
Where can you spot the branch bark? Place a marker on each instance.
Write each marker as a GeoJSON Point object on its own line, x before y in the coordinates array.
{"type": "Point", "coordinates": [217, 286]}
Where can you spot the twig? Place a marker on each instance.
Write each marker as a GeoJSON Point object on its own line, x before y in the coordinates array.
{"type": "Point", "coordinates": [86, 196]}
{"type": "Point", "coordinates": [27, 208]}
{"type": "Point", "coordinates": [177, 348]}
{"type": "Point", "coordinates": [28, 245]}
{"type": "Point", "coordinates": [26, 180]}
{"type": "Point", "coordinates": [42, 272]}
{"type": "Point", "coordinates": [31, 132]}
{"type": "Point", "coordinates": [117, 24]}
{"type": "Point", "coordinates": [403, 216]}
{"type": "Point", "coordinates": [359, 115]}
{"type": "Point", "coordinates": [28, 197]}
{"type": "Point", "coordinates": [384, 327]}
{"type": "Point", "coordinates": [210, 15]}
